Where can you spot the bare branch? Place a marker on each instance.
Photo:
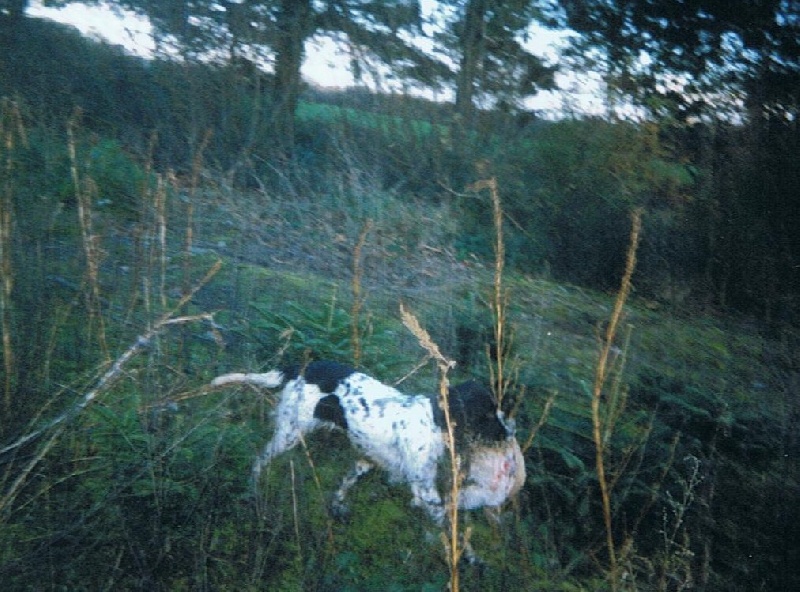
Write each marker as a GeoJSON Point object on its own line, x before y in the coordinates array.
{"type": "Point", "coordinates": [113, 373]}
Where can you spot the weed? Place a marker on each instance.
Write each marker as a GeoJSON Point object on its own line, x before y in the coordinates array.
{"type": "Point", "coordinates": [452, 539]}
{"type": "Point", "coordinates": [12, 131]}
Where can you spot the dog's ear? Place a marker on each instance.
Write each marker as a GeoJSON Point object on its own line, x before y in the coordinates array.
{"type": "Point", "coordinates": [330, 409]}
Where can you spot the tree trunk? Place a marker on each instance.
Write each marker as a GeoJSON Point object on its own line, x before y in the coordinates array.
{"type": "Point", "coordinates": [472, 50]}
{"type": "Point", "coordinates": [294, 25]}
{"type": "Point", "coordinates": [13, 10]}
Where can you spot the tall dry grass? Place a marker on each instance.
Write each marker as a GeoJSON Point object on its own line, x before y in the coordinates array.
{"type": "Point", "coordinates": [104, 320]}
{"type": "Point", "coordinates": [455, 542]}
{"type": "Point", "coordinates": [499, 358]}
{"type": "Point", "coordinates": [602, 425]}
{"type": "Point", "coordinates": [85, 194]}
{"type": "Point", "coordinates": [12, 132]}
{"type": "Point", "coordinates": [358, 297]}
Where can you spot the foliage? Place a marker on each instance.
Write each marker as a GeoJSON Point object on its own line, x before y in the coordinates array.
{"type": "Point", "coordinates": [147, 488]}
{"type": "Point", "coordinates": [568, 187]}
{"type": "Point", "coordinates": [325, 333]}
{"type": "Point", "coordinates": [486, 40]}
{"type": "Point", "coordinates": [167, 463]}
{"type": "Point", "coordinates": [96, 77]}
{"type": "Point", "coordinates": [692, 60]}
{"type": "Point", "coordinates": [250, 32]}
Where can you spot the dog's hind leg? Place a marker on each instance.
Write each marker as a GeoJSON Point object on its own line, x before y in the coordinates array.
{"type": "Point", "coordinates": [294, 418]}
{"type": "Point", "coordinates": [338, 506]}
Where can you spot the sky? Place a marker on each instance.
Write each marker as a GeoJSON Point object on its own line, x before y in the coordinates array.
{"type": "Point", "coordinates": [323, 66]}
{"type": "Point", "coordinates": [326, 63]}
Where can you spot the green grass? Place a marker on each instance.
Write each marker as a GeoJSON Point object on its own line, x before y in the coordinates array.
{"type": "Point", "coordinates": [322, 113]}
{"type": "Point", "coordinates": [166, 461]}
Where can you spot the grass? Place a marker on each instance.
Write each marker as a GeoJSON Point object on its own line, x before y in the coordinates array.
{"type": "Point", "coordinates": [324, 275]}
{"type": "Point", "coordinates": [332, 114]}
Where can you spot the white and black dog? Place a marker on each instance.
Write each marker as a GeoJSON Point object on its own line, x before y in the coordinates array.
{"type": "Point", "coordinates": [403, 434]}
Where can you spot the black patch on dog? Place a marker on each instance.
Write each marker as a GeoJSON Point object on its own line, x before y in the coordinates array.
{"type": "Point", "coordinates": [330, 409]}
{"type": "Point", "coordinates": [326, 375]}
{"type": "Point", "coordinates": [474, 412]}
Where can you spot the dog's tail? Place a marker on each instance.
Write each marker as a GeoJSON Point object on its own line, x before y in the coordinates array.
{"type": "Point", "coordinates": [271, 379]}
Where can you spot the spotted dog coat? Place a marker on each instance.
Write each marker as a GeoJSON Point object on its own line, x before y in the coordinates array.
{"type": "Point", "coordinates": [403, 434]}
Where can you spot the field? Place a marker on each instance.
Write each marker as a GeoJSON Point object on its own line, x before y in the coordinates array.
{"type": "Point", "coordinates": [159, 236]}
{"type": "Point", "coordinates": [123, 469]}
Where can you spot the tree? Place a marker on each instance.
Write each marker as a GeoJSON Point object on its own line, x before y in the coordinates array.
{"type": "Point", "coordinates": [12, 9]}
{"type": "Point", "coordinates": [689, 56]}
{"type": "Point", "coordinates": [486, 39]}
{"type": "Point", "coordinates": [276, 32]}
{"type": "Point", "coordinates": [728, 73]}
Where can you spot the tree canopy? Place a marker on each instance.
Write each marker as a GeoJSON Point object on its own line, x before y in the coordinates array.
{"type": "Point", "coordinates": [694, 52]}
{"type": "Point", "coordinates": [486, 40]}
{"type": "Point", "coordinates": [275, 32]}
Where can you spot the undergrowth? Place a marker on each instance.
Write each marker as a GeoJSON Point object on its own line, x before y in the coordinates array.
{"type": "Point", "coordinates": [122, 469]}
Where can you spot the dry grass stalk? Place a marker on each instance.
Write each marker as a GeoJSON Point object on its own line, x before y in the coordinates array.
{"type": "Point", "coordinates": [548, 406]}
{"type": "Point", "coordinates": [85, 191]}
{"type": "Point", "coordinates": [321, 492]}
{"type": "Point", "coordinates": [454, 543]}
{"type": "Point", "coordinates": [502, 377]}
{"type": "Point", "coordinates": [499, 302]}
{"type": "Point", "coordinates": [295, 516]}
{"type": "Point", "coordinates": [6, 268]}
{"type": "Point", "coordinates": [154, 254]}
{"type": "Point", "coordinates": [194, 184]}
{"type": "Point", "coordinates": [500, 298]}
{"type": "Point", "coordinates": [11, 130]}
{"type": "Point", "coordinates": [618, 394]}
{"type": "Point", "coordinates": [56, 426]}
{"type": "Point", "coordinates": [358, 299]}
{"type": "Point", "coordinates": [188, 238]}
{"type": "Point", "coordinates": [160, 210]}
{"type": "Point", "coordinates": [601, 376]}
